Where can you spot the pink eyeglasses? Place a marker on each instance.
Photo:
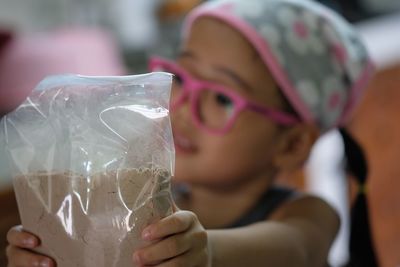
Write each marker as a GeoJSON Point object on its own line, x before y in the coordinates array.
{"type": "Point", "coordinates": [214, 107]}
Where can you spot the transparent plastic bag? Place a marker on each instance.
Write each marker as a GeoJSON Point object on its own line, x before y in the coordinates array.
{"type": "Point", "coordinates": [91, 162]}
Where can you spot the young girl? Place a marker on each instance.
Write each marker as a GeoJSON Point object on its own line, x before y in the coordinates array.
{"type": "Point", "coordinates": [256, 83]}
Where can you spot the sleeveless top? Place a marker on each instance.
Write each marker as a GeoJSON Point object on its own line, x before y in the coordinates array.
{"type": "Point", "coordinates": [268, 203]}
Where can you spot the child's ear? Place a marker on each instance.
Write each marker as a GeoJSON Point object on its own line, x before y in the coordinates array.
{"type": "Point", "coordinates": [294, 146]}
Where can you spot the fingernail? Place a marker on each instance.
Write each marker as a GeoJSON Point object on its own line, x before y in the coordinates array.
{"type": "Point", "coordinates": [45, 263]}
{"type": "Point", "coordinates": [136, 258]}
{"type": "Point", "coordinates": [146, 234]}
{"type": "Point", "coordinates": [30, 242]}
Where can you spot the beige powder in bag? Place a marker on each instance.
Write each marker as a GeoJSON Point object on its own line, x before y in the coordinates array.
{"type": "Point", "coordinates": [93, 221]}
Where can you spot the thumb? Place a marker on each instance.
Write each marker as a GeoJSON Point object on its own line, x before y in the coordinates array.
{"type": "Point", "coordinates": [175, 208]}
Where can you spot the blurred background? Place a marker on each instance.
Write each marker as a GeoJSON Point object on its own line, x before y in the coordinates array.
{"type": "Point", "coordinates": [101, 37]}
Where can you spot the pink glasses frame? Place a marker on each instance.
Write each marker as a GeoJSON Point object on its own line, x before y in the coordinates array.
{"type": "Point", "coordinates": [192, 88]}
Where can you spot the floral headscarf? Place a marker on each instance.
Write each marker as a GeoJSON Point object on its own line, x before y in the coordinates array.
{"type": "Point", "coordinates": [315, 56]}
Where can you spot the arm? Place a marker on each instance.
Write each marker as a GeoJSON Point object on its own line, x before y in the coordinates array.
{"type": "Point", "coordinates": [299, 234]}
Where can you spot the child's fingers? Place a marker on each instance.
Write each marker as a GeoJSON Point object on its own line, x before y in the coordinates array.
{"type": "Point", "coordinates": [165, 249]}
{"type": "Point", "coordinates": [16, 236]}
{"type": "Point", "coordinates": [187, 259]}
{"type": "Point", "coordinates": [175, 208]}
{"type": "Point", "coordinates": [178, 222]}
{"type": "Point", "coordinates": [22, 258]}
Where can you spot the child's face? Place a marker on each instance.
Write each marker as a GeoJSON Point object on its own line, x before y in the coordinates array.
{"type": "Point", "coordinates": [216, 53]}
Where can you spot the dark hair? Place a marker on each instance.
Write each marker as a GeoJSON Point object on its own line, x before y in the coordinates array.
{"type": "Point", "coordinates": [5, 38]}
{"type": "Point", "coordinates": [361, 247]}
{"type": "Point", "coordinates": [287, 107]}
{"type": "Point", "coordinates": [362, 252]}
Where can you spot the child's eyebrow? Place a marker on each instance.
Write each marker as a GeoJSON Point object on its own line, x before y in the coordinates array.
{"type": "Point", "coordinates": [236, 78]}
{"type": "Point", "coordinates": [225, 71]}
{"type": "Point", "coordinates": [185, 53]}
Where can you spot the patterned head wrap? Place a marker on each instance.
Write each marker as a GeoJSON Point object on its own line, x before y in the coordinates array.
{"type": "Point", "coordinates": [315, 56]}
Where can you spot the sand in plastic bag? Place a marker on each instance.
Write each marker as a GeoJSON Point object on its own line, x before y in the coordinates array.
{"type": "Point", "coordinates": [92, 160]}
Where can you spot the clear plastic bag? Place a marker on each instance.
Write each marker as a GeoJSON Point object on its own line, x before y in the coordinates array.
{"type": "Point", "coordinates": [91, 162]}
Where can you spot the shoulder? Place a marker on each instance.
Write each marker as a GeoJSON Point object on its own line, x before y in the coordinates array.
{"type": "Point", "coordinates": [306, 206]}
{"type": "Point", "coordinates": [316, 222]}
{"type": "Point", "coordinates": [311, 210]}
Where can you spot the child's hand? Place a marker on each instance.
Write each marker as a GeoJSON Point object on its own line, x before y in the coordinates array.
{"type": "Point", "coordinates": [179, 240]}
{"type": "Point", "coordinates": [17, 250]}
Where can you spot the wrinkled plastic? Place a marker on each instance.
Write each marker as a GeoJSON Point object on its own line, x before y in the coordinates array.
{"type": "Point", "coordinates": [92, 159]}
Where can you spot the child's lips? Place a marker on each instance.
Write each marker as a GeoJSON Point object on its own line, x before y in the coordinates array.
{"type": "Point", "coordinates": [183, 144]}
